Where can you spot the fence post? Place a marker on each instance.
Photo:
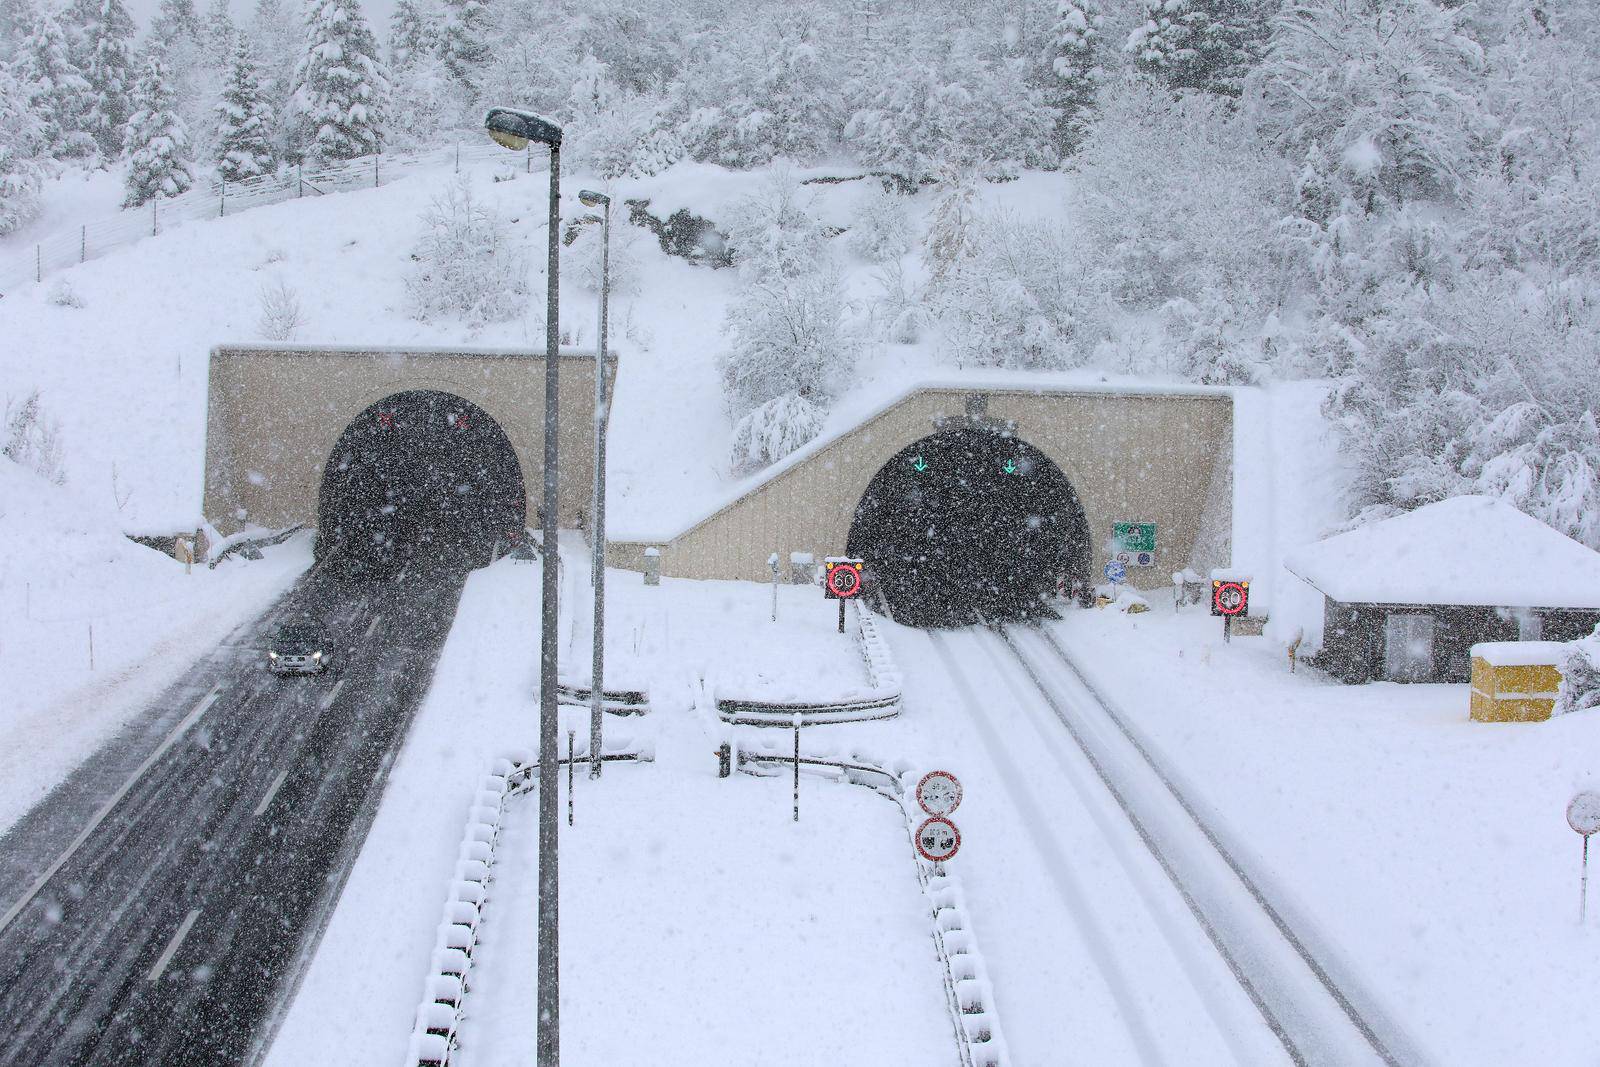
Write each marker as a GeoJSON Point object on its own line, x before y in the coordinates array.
{"type": "Point", "coordinates": [300, 181]}
{"type": "Point", "coordinates": [375, 171]}
{"type": "Point", "coordinates": [83, 244]}
{"type": "Point", "coordinates": [529, 165]}
{"type": "Point", "coordinates": [222, 200]}
{"type": "Point", "coordinates": [38, 264]}
{"type": "Point", "coordinates": [155, 220]}
{"type": "Point", "coordinates": [458, 157]}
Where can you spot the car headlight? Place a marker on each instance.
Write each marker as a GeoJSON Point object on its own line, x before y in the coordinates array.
{"type": "Point", "coordinates": [316, 655]}
{"type": "Point", "coordinates": [272, 655]}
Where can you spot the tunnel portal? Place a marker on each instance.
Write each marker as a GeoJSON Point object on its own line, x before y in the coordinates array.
{"type": "Point", "coordinates": [969, 524]}
{"type": "Point", "coordinates": [420, 477]}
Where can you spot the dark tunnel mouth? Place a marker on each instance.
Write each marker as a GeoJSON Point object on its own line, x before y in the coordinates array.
{"type": "Point", "coordinates": [420, 478]}
{"type": "Point", "coordinates": [969, 525]}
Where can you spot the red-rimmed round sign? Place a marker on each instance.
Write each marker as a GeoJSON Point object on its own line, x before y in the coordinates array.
{"type": "Point", "coordinates": [1230, 598]}
{"type": "Point", "coordinates": [844, 580]}
{"type": "Point", "coordinates": [939, 793]}
{"type": "Point", "coordinates": [938, 839]}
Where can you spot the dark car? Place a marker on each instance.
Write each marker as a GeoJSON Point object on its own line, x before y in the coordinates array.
{"type": "Point", "coordinates": [299, 648]}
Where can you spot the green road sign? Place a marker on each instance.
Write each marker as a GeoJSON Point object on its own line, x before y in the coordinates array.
{"type": "Point", "coordinates": [1134, 536]}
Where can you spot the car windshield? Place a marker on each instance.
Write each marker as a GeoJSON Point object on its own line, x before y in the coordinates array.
{"type": "Point", "coordinates": [298, 639]}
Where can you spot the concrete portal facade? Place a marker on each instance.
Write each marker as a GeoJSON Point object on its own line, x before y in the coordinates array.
{"type": "Point", "coordinates": [1131, 456]}
{"type": "Point", "coordinates": [275, 413]}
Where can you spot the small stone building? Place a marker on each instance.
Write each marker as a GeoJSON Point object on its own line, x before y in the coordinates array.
{"type": "Point", "coordinates": [1405, 599]}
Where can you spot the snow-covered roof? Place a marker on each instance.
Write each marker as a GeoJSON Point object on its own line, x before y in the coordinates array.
{"type": "Point", "coordinates": [1469, 550]}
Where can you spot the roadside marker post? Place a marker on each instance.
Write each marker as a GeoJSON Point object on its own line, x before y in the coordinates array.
{"type": "Point", "coordinates": [1583, 815]}
{"type": "Point", "coordinates": [842, 581]}
{"type": "Point", "coordinates": [772, 565]}
{"type": "Point", "coordinates": [797, 766]}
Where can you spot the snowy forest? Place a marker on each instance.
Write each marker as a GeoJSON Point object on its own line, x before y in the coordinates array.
{"type": "Point", "coordinates": [1398, 196]}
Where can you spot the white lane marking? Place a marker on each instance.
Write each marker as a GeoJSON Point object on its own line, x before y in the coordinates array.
{"type": "Point", "coordinates": [172, 946]}
{"type": "Point", "coordinates": [374, 625]}
{"type": "Point", "coordinates": [99, 817]}
{"type": "Point", "coordinates": [333, 694]}
{"type": "Point", "coordinates": [276, 782]}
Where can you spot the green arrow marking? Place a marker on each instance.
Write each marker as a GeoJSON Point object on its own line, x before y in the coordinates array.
{"type": "Point", "coordinates": [1010, 467]}
{"type": "Point", "coordinates": [919, 464]}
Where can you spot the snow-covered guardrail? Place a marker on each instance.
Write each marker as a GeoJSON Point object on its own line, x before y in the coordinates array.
{"type": "Point", "coordinates": [439, 1014]}
{"type": "Point", "coordinates": [879, 700]}
{"type": "Point", "coordinates": [969, 997]}
{"type": "Point", "coordinates": [615, 701]}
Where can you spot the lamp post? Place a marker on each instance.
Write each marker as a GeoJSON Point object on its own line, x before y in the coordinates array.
{"type": "Point", "coordinates": [597, 677]}
{"type": "Point", "coordinates": [515, 129]}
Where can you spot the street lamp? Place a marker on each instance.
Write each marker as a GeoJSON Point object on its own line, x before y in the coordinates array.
{"type": "Point", "coordinates": [515, 129]}
{"type": "Point", "coordinates": [596, 693]}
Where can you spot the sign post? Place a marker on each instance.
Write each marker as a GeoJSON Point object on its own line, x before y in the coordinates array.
{"type": "Point", "coordinates": [1229, 598]}
{"type": "Point", "coordinates": [842, 581]}
{"type": "Point", "coordinates": [772, 565]}
{"type": "Point", "coordinates": [1583, 815]}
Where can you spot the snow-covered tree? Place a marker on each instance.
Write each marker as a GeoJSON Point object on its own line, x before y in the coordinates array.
{"type": "Point", "coordinates": [773, 430]}
{"type": "Point", "coordinates": [1580, 676]}
{"type": "Point", "coordinates": [464, 265]}
{"type": "Point", "coordinates": [950, 222]}
{"type": "Point", "coordinates": [157, 145]}
{"type": "Point", "coordinates": [413, 34]}
{"type": "Point", "coordinates": [425, 101]}
{"type": "Point", "coordinates": [17, 18]}
{"type": "Point", "coordinates": [244, 121]}
{"type": "Point", "coordinates": [905, 117]}
{"type": "Point", "coordinates": [1389, 91]}
{"type": "Point", "coordinates": [58, 93]}
{"type": "Point", "coordinates": [108, 67]}
{"type": "Point", "coordinates": [784, 327]}
{"type": "Point", "coordinates": [218, 32]}
{"type": "Point", "coordinates": [464, 46]}
{"type": "Point", "coordinates": [22, 152]}
{"type": "Point", "coordinates": [176, 19]}
{"type": "Point", "coordinates": [1203, 44]}
{"type": "Point", "coordinates": [341, 86]}
{"type": "Point", "coordinates": [277, 42]}
{"type": "Point", "coordinates": [1073, 60]}
{"type": "Point", "coordinates": [880, 230]}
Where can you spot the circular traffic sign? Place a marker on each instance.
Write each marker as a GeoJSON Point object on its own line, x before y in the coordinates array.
{"type": "Point", "coordinates": [939, 793]}
{"type": "Point", "coordinates": [1228, 598]}
{"type": "Point", "coordinates": [845, 580]}
{"type": "Point", "coordinates": [1116, 572]}
{"type": "Point", "coordinates": [1583, 814]}
{"type": "Point", "coordinates": [938, 839]}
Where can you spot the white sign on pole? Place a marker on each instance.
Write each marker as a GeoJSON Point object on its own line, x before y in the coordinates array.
{"type": "Point", "coordinates": [1583, 815]}
{"type": "Point", "coordinates": [939, 793]}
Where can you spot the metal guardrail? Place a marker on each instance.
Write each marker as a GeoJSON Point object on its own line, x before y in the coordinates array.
{"type": "Point", "coordinates": [212, 198]}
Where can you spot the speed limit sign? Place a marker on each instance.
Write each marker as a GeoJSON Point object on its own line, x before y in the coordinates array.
{"type": "Point", "coordinates": [843, 579]}
{"type": "Point", "coordinates": [939, 793]}
{"type": "Point", "coordinates": [1230, 598]}
{"type": "Point", "coordinates": [938, 839]}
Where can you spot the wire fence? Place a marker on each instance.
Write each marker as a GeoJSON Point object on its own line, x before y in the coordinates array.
{"type": "Point", "coordinates": [214, 198]}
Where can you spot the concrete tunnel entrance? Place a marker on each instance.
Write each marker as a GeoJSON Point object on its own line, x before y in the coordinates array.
{"type": "Point", "coordinates": [420, 478]}
{"type": "Point", "coordinates": [966, 525]}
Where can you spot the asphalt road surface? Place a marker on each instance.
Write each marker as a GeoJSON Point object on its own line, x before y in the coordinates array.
{"type": "Point", "coordinates": [176, 930]}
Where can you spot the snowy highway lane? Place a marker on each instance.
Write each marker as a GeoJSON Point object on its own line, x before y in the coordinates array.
{"type": "Point", "coordinates": [173, 922]}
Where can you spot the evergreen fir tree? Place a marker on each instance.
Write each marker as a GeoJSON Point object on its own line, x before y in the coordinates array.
{"type": "Point", "coordinates": [1073, 58]}
{"type": "Point", "coordinates": [465, 45]}
{"type": "Point", "coordinates": [244, 141]}
{"type": "Point", "coordinates": [341, 85]}
{"type": "Point", "coordinates": [219, 31]}
{"type": "Point", "coordinates": [58, 94]}
{"type": "Point", "coordinates": [107, 44]}
{"type": "Point", "coordinates": [1200, 44]}
{"type": "Point", "coordinates": [176, 20]}
{"type": "Point", "coordinates": [157, 144]}
{"type": "Point", "coordinates": [22, 153]}
{"type": "Point", "coordinates": [16, 23]}
{"type": "Point", "coordinates": [412, 34]}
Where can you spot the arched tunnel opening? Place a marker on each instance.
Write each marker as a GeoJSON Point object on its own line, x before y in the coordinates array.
{"type": "Point", "coordinates": [969, 525]}
{"type": "Point", "coordinates": [420, 478]}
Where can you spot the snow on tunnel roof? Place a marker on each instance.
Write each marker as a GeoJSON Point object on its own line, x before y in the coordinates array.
{"type": "Point", "coordinates": [1469, 550]}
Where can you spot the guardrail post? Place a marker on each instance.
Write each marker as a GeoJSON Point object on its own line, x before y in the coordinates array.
{"type": "Point", "coordinates": [222, 199]}
{"type": "Point", "coordinates": [83, 244]}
